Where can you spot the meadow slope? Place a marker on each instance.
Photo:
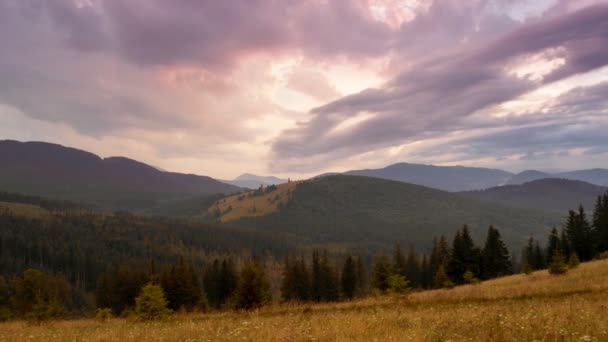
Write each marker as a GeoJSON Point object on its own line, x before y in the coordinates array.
{"type": "Point", "coordinates": [535, 307]}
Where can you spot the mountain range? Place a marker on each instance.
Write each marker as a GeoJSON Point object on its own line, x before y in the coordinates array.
{"type": "Point", "coordinates": [251, 181]}
{"type": "Point", "coordinates": [462, 178]}
{"type": "Point", "coordinates": [60, 172]}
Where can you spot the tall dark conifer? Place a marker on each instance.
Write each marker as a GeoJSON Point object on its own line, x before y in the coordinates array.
{"type": "Point", "coordinates": [349, 278]}
{"type": "Point", "coordinates": [580, 235]}
{"type": "Point", "coordinates": [465, 256]}
{"type": "Point", "coordinates": [553, 247]}
{"type": "Point", "coordinates": [495, 256]}
{"type": "Point", "coordinates": [600, 223]}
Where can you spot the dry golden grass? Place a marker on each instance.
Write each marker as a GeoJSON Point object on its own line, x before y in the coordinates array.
{"type": "Point", "coordinates": [232, 208]}
{"type": "Point", "coordinates": [538, 307]}
{"type": "Point", "coordinates": [27, 210]}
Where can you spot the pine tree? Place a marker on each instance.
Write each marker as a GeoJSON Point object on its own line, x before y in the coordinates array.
{"type": "Point", "coordinates": [181, 287]}
{"type": "Point", "coordinates": [349, 278]}
{"type": "Point", "coordinates": [495, 256]}
{"type": "Point", "coordinates": [564, 244]}
{"type": "Point", "coordinates": [362, 278]}
{"type": "Point", "coordinates": [316, 283]}
{"type": "Point", "coordinates": [211, 283]}
{"type": "Point", "coordinates": [425, 270]}
{"type": "Point", "coordinates": [398, 266]}
{"type": "Point", "coordinates": [151, 303]}
{"type": "Point", "coordinates": [600, 223]}
{"type": "Point", "coordinates": [553, 247]}
{"type": "Point", "coordinates": [296, 281]}
{"type": "Point", "coordinates": [381, 273]}
{"type": "Point", "coordinates": [441, 279]}
{"type": "Point", "coordinates": [228, 280]}
{"type": "Point", "coordinates": [412, 269]}
{"type": "Point", "coordinates": [324, 280]}
{"type": "Point", "coordinates": [539, 257]}
{"type": "Point", "coordinates": [253, 289]}
{"type": "Point", "coordinates": [465, 256]}
{"type": "Point", "coordinates": [580, 234]}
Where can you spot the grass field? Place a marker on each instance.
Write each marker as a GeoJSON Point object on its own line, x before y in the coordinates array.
{"type": "Point", "coordinates": [243, 205]}
{"type": "Point", "coordinates": [536, 307]}
{"type": "Point", "coordinates": [27, 210]}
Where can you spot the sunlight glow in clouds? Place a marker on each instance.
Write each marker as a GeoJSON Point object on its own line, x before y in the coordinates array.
{"type": "Point", "coordinates": [303, 87]}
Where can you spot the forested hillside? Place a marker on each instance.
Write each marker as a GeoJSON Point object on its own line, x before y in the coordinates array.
{"type": "Point", "coordinates": [551, 194]}
{"type": "Point", "coordinates": [371, 213]}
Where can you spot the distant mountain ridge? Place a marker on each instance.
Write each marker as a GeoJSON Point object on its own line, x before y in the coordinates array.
{"type": "Point", "coordinates": [251, 181]}
{"type": "Point", "coordinates": [447, 178]}
{"type": "Point", "coordinates": [548, 194]}
{"type": "Point", "coordinates": [463, 178]}
{"type": "Point", "coordinates": [593, 176]}
{"type": "Point", "coordinates": [44, 169]}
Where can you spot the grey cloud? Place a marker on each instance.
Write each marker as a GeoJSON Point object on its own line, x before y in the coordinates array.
{"type": "Point", "coordinates": [440, 93]}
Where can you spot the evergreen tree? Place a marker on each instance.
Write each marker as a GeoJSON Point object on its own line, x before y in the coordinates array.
{"type": "Point", "coordinates": [425, 272]}
{"type": "Point", "coordinates": [228, 280]}
{"type": "Point", "coordinates": [553, 245]}
{"type": "Point", "coordinates": [440, 255]}
{"type": "Point", "coordinates": [151, 303]}
{"type": "Point", "coordinates": [539, 257]}
{"type": "Point", "coordinates": [564, 244]}
{"type": "Point", "coordinates": [441, 279]}
{"type": "Point", "coordinates": [253, 289]}
{"type": "Point", "coordinates": [362, 279]}
{"type": "Point", "coordinates": [600, 223]}
{"type": "Point", "coordinates": [381, 274]}
{"type": "Point", "coordinates": [580, 235]}
{"type": "Point", "coordinates": [399, 266]}
{"type": "Point", "coordinates": [465, 256]}
{"type": "Point", "coordinates": [118, 287]}
{"type": "Point", "coordinates": [181, 287]}
{"type": "Point", "coordinates": [349, 278]}
{"type": "Point", "coordinates": [495, 256]}
{"type": "Point", "coordinates": [296, 281]}
{"type": "Point", "coordinates": [211, 284]}
{"type": "Point", "coordinates": [324, 280]}
{"type": "Point", "coordinates": [412, 269]}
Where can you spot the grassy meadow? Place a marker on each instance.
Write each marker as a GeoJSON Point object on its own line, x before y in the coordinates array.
{"type": "Point", "coordinates": [535, 307]}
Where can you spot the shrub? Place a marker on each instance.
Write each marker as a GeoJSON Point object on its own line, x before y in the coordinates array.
{"type": "Point", "coordinates": [397, 283]}
{"type": "Point", "coordinates": [469, 278]}
{"type": "Point", "coordinates": [573, 261]}
{"type": "Point", "coordinates": [103, 314]}
{"type": "Point", "coordinates": [151, 303]}
{"type": "Point", "coordinates": [558, 265]}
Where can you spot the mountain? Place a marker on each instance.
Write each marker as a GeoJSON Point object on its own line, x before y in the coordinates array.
{"type": "Point", "coordinates": [372, 214]}
{"type": "Point", "coordinates": [593, 176]}
{"type": "Point", "coordinates": [44, 169]}
{"type": "Point", "coordinates": [548, 194]}
{"type": "Point", "coordinates": [447, 178]}
{"type": "Point", "coordinates": [251, 181]}
{"type": "Point", "coordinates": [526, 176]}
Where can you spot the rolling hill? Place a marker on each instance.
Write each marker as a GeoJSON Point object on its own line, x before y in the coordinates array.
{"type": "Point", "coordinates": [44, 169]}
{"type": "Point", "coordinates": [373, 214]}
{"type": "Point", "coordinates": [548, 194]}
{"type": "Point", "coordinates": [447, 178]}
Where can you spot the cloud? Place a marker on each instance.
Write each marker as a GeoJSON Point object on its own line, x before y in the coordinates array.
{"type": "Point", "coordinates": [445, 92]}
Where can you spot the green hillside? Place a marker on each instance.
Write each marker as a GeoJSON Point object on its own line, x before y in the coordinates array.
{"type": "Point", "coordinates": [372, 213]}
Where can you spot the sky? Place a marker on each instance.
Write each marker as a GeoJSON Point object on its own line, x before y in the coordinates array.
{"type": "Point", "coordinates": [295, 88]}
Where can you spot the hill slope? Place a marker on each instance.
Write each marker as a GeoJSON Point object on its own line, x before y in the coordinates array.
{"type": "Point", "coordinates": [56, 171]}
{"type": "Point", "coordinates": [549, 194]}
{"type": "Point", "coordinates": [447, 178]}
{"type": "Point", "coordinates": [373, 213]}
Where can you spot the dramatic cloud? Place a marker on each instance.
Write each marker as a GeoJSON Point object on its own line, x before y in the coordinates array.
{"type": "Point", "coordinates": [439, 94]}
{"type": "Point", "coordinates": [302, 86]}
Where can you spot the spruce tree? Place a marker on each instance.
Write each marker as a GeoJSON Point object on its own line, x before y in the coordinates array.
{"type": "Point", "coordinates": [316, 282]}
{"type": "Point", "coordinates": [465, 256]}
{"type": "Point", "coordinates": [253, 289]}
{"type": "Point", "coordinates": [564, 244]}
{"type": "Point", "coordinates": [399, 266]}
{"type": "Point", "coordinates": [362, 277]}
{"type": "Point", "coordinates": [553, 245]}
{"type": "Point", "coordinates": [211, 284]}
{"type": "Point", "coordinates": [580, 235]}
{"type": "Point", "coordinates": [181, 287]}
{"type": "Point", "coordinates": [495, 256]}
{"type": "Point", "coordinates": [349, 278]}
{"type": "Point", "coordinates": [412, 268]}
{"type": "Point", "coordinates": [381, 274]}
{"type": "Point", "coordinates": [600, 223]}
